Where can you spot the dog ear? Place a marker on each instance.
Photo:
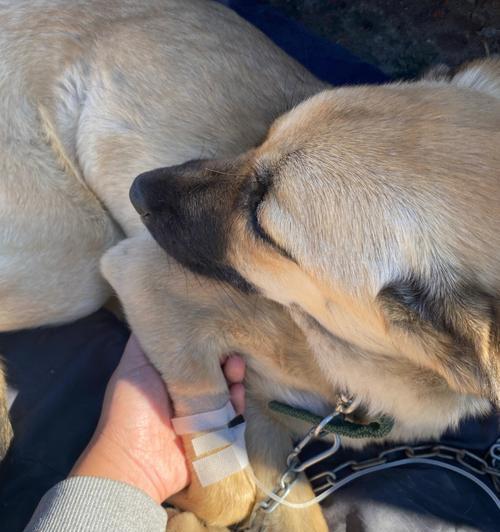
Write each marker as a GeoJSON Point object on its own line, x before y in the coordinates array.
{"type": "Point", "coordinates": [458, 330]}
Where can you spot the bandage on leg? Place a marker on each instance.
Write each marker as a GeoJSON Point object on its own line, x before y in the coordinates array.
{"type": "Point", "coordinates": [223, 431]}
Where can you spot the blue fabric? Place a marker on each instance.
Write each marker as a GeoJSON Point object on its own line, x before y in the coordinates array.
{"type": "Point", "coordinates": [415, 497]}
{"type": "Point", "coordinates": [61, 374]}
{"type": "Point", "coordinates": [329, 62]}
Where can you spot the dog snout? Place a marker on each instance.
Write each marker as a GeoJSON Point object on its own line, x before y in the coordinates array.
{"type": "Point", "coordinates": [160, 190]}
{"type": "Point", "coordinates": [147, 194]}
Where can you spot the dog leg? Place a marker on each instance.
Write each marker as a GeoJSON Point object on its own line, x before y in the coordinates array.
{"type": "Point", "coordinates": [268, 458]}
{"type": "Point", "coordinates": [5, 426]}
{"type": "Point", "coordinates": [185, 354]}
{"type": "Point", "coordinates": [185, 323]}
{"type": "Point", "coordinates": [188, 522]}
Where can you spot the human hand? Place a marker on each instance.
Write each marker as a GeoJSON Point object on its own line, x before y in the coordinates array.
{"type": "Point", "coordinates": [134, 441]}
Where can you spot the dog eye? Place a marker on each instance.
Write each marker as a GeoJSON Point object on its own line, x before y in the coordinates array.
{"type": "Point", "coordinates": [256, 197]}
{"type": "Point", "coordinates": [254, 193]}
{"type": "Point", "coordinates": [259, 187]}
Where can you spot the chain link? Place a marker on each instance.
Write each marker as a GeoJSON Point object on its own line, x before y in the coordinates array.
{"type": "Point", "coordinates": [494, 456]}
{"type": "Point", "coordinates": [490, 465]}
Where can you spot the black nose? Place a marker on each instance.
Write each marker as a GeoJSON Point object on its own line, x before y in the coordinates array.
{"type": "Point", "coordinates": [139, 197]}
{"type": "Point", "coordinates": [158, 191]}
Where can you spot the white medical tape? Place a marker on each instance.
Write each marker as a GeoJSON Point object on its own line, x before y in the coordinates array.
{"type": "Point", "coordinates": [204, 421]}
{"type": "Point", "coordinates": [213, 440]}
{"type": "Point", "coordinates": [224, 463]}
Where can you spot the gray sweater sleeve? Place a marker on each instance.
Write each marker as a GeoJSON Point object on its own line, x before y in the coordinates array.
{"type": "Point", "coordinates": [90, 504]}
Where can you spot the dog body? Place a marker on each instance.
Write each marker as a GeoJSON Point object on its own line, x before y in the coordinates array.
{"type": "Point", "coordinates": [369, 214]}
{"type": "Point", "coordinates": [341, 254]}
{"type": "Point", "coordinates": [92, 94]}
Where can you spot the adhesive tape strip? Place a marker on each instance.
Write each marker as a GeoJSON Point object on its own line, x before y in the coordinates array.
{"type": "Point", "coordinates": [213, 440]}
{"type": "Point", "coordinates": [204, 421]}
{"type": "Point", "coordinates": [224, 463]}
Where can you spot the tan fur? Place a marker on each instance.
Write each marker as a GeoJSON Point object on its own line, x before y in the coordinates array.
{"type": "Point", "coordinates": [91, 94]}
{"type": "Point", "coordinates": [185, 325]}
{"type": "Point", "coordinates": [369, 184]}
{"type": "Point", "coordinates": [5, 426]}
{"type": "Point", "coordinates": [372, 189]}
{"type": "Point", "coordinates": [417, 166]}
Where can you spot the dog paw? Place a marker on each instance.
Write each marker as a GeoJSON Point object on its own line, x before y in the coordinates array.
{"type": "Point", "coordinates": [188, 522]}
{"type": "Point", "coordinates": [132, 256]}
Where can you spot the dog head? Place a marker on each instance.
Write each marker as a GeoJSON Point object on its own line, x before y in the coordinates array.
{"type": "Point", "coordinates": [371, 213]}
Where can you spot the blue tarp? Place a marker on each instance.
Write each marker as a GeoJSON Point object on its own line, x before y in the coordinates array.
{"type": "Point", "coordinates": [326, 60]}
{"type": "Point", "coordinates": [61, 373]}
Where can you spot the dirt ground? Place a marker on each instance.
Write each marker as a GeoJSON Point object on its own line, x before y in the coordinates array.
{"type": "Point", "coordinates": [403, 37]}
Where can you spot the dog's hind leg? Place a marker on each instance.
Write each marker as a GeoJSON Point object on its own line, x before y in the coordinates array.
{"type": "Point", "coordinates": [5, 426]}
{"type": "Point", "coordinates": [53, 230]}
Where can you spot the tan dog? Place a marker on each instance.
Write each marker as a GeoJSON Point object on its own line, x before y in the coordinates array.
{"type": "Point", "coordinates": [368, 215]}
{"type": "Point", "coordinates": [186, 323]}
{"type": "Point", "coordinates": [94, 92]}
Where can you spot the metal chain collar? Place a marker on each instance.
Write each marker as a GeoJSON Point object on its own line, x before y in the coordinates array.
{"type": "Point", "coordinates": [328, 481]}
{"type": "Point", "coordinates": [490, 465]}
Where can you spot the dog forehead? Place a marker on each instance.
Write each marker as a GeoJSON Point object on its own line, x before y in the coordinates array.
{"type": "Point", "coordinates": [344, 123]}
{"type": "Point", "coordinates": [376, 115]}
{"type": "Point", "coordinates": [398, 130]}
{"type": "Point", "coordinates": [298, 126]}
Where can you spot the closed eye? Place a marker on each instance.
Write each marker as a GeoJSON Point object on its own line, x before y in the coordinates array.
{"type": "Point", "coordinates": [255, 200]}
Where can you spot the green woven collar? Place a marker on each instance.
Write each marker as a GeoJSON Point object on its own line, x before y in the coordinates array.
{"type": "Point", "coordinates": [378, 428]}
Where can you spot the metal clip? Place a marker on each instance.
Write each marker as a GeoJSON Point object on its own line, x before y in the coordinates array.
{"type": "Point", "coordinates": [295, 466]}
{"type": "Point", "coordinates": [302, 466]}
